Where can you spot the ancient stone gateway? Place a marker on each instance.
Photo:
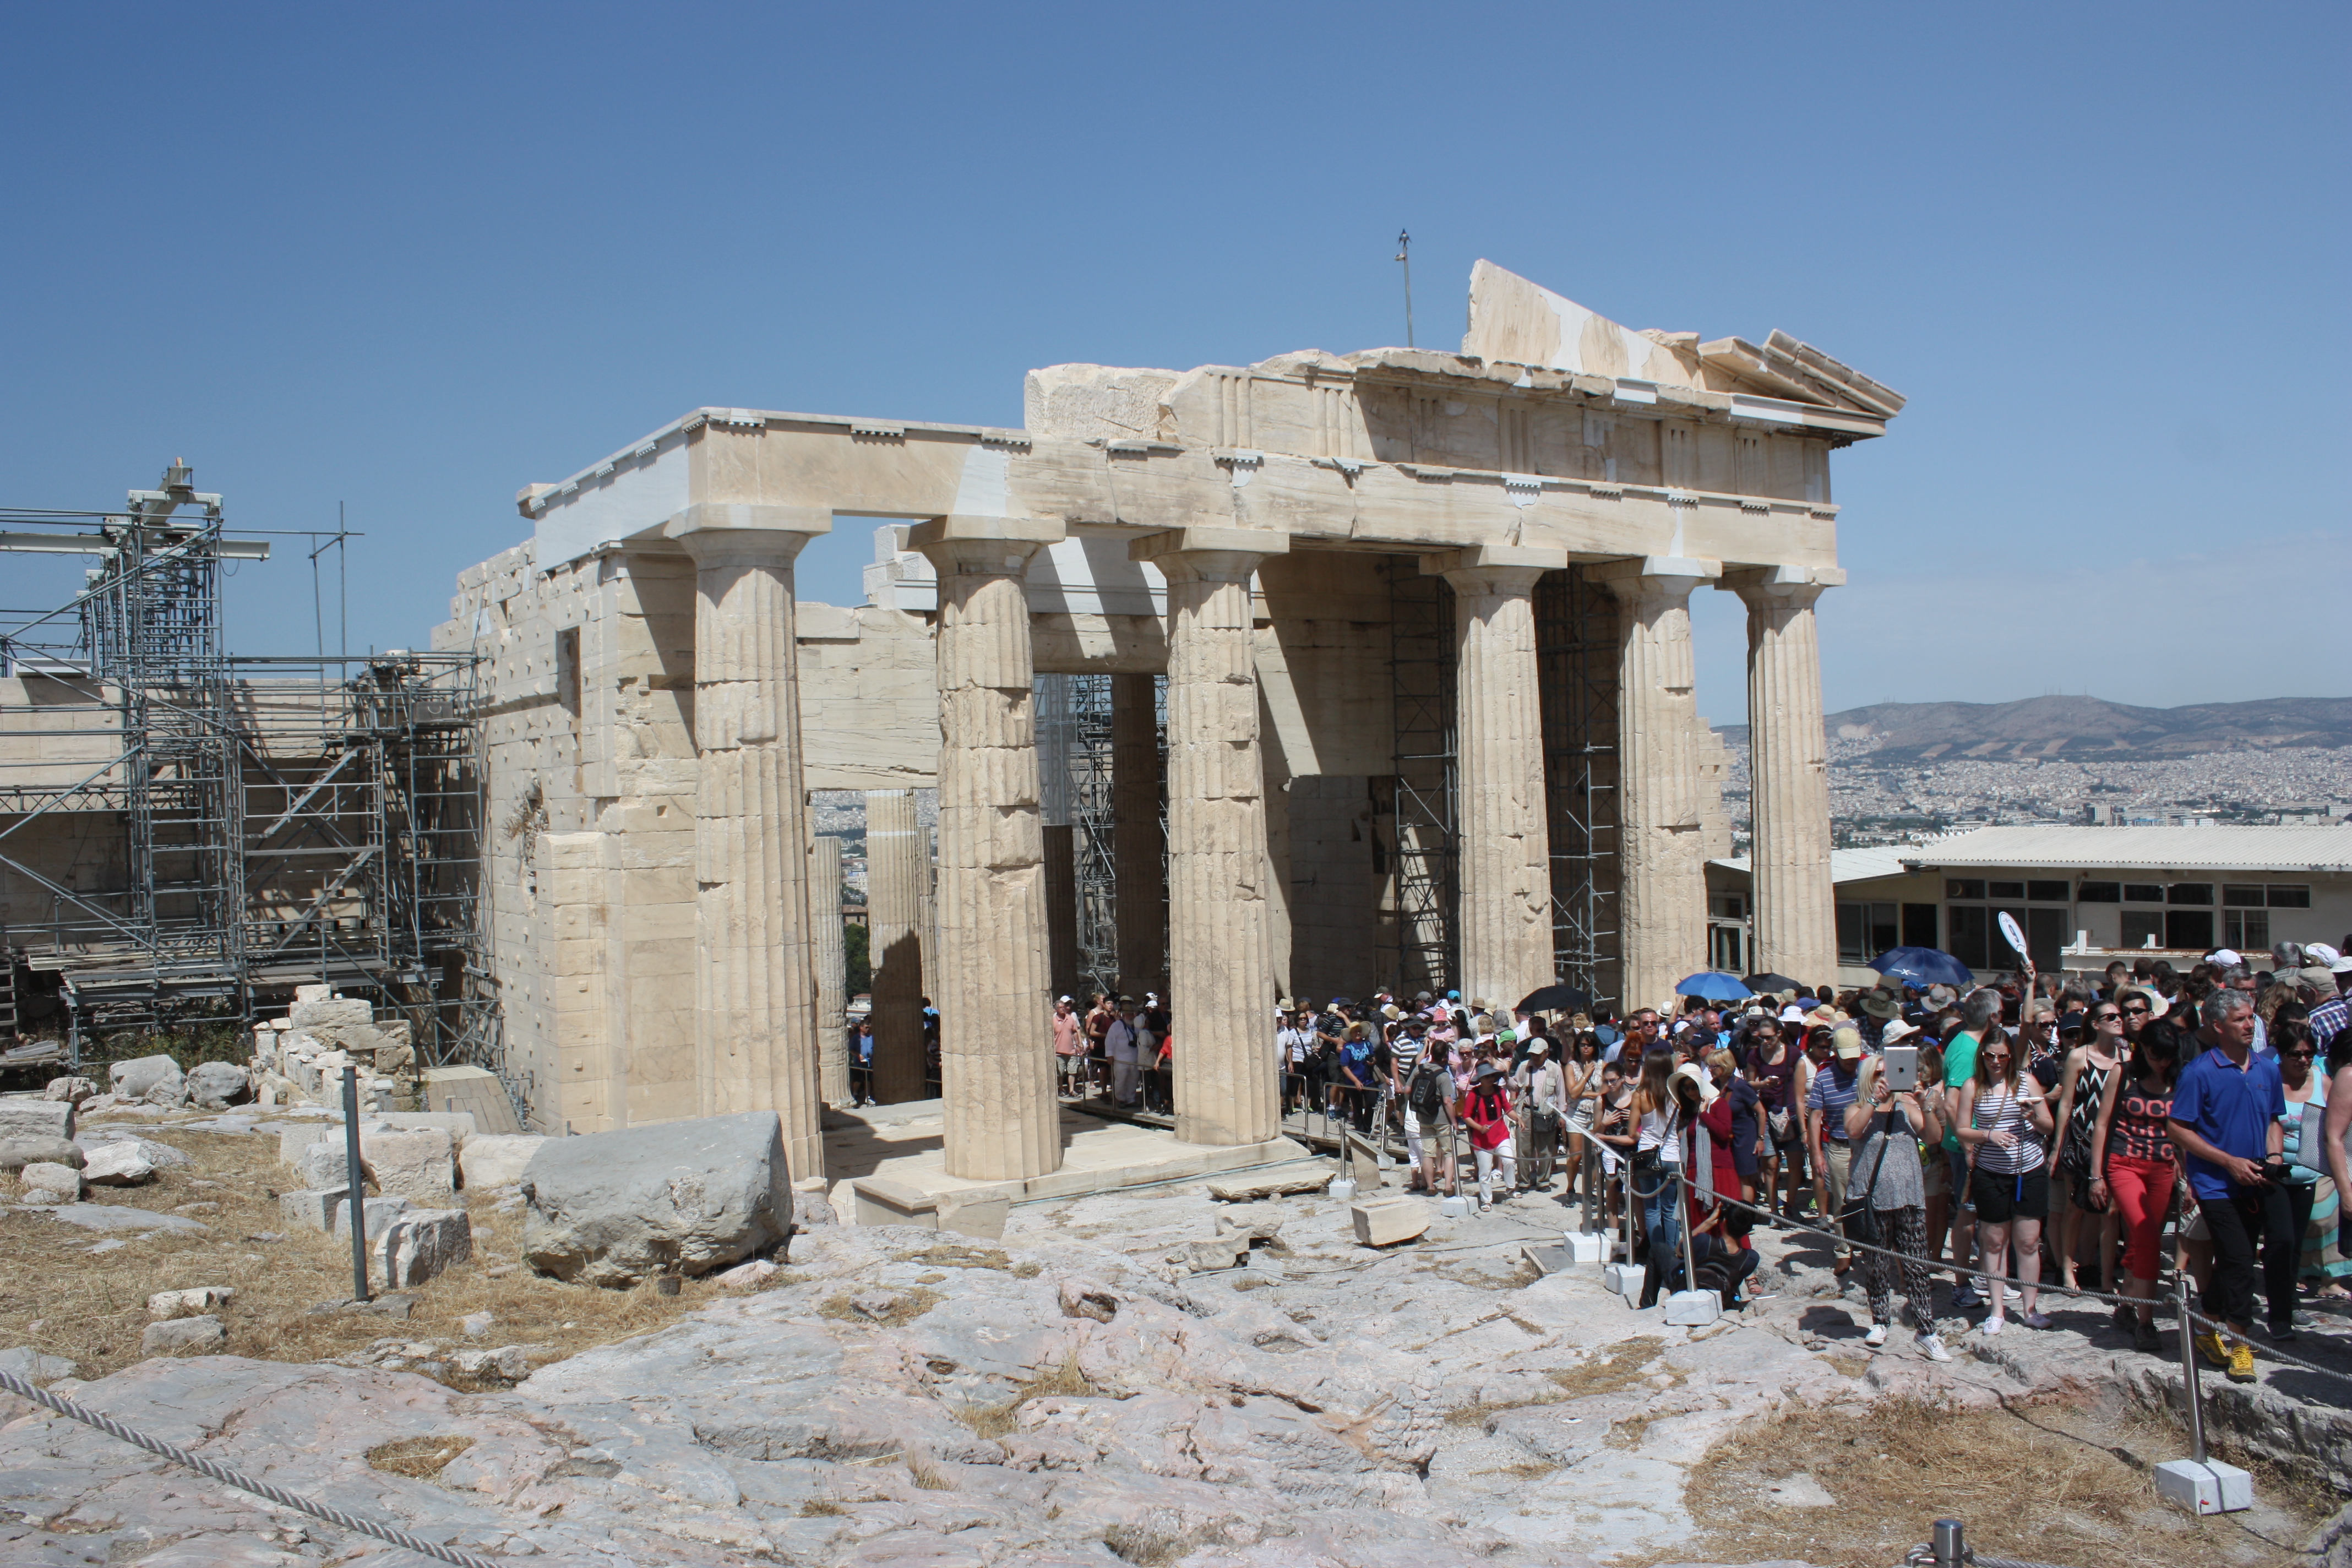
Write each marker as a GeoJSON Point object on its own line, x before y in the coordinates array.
{"type": "Point", "coordinates": [1267, 537]}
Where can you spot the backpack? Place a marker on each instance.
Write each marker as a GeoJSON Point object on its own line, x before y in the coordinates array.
{"type": "Point", "coordinates": [1424, 1095]}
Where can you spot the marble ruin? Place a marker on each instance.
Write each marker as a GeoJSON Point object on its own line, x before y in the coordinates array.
{"type": "Point", "coordinates": [661, 706]}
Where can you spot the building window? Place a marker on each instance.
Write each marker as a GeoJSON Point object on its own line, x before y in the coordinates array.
{"type": "Point", "coordinates": [2200, 893]}
{"type": "Point", "coordinates": [2101, 893]}
{"type": "Point", "coordinates": [2143, 928]}
{"type": "Point", "coordinates": [2143, 892]}
{"type": "Point", "coordinates": [2189, 930]}
{"type": "Point", "coordinates": [1964, 888]}
{"type": "Point", "coordinates": [2048, 892]}
{"type": "Point", "coordinates": [1920, 926]}
{"type": "Point", "coordinates": [2248, 930]}
{"type": "Point", "coordinates": [2290, 898]}
{"type": "Point", "coordinates": [1967, 926]}
{"type": "Point", "coordinates": [2012, 890]}
{"type": "Point", "coordinates": [1726, 945]}
{"type": "Point", "coordinates": [1728, 906]}
{"type": "Point", "coordinates": [1865, 930]}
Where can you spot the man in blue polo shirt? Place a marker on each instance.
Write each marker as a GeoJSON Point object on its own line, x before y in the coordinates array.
{"type": "Point", "coordinates": [2225, 1123]}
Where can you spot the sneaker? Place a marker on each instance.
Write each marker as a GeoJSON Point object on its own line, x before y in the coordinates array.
{"type": "Point", "coordinates": [2282, 1333]}
{"type": "Point", "coordinates": [1931, 1345]}
{"type": "Point", "coordinates": [1966, 1296]}
{"type": "Point", "coordinates": [1992, 1325]}
{"type": "Point", "coordinates": [2210, 1346]}
{"type": "Point", "coordinates": [2127, 1320]}
{"type": "Point", "coordinates": [2034, 1320]}
{"type": "Point", "coordinates": [1876, 1337]}
{"type": "Point", "coordinates": [2144, 1338]}
{"type": "Point", "coordinates": [2241, 1362]}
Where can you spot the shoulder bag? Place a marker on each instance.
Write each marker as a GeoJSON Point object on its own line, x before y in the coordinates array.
{"type": "Point", "coordinates": [1858, 1220]}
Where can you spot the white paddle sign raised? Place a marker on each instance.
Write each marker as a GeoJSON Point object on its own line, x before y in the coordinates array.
{"type": "Point", "coordinates": [2012, 935]}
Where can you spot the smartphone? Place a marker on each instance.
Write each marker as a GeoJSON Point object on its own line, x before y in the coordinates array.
{"type": "Point", "coordinates": [1902, 1069]}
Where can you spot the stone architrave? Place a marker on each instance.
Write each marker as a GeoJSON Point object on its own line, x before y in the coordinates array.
{"type": "Point", "coordinates": [898, 865]}
{"type": "Point", "coordinates": [1663, 903]}
{"type": "Point", "coordinates": [832, 971]}
{"type": "Point", "coordinates": [1796, 902]}
{"type": "Point", "coordinates": [1220, 971]}
{"type": "Point", "coordinates": [1139, 847]}
{"type": "Point", "coordinates": [1506, 844]}
{"type": "Point", "coordinates": [996, 1071]}
{"type": "Point", "coordinates": [755, 1003]}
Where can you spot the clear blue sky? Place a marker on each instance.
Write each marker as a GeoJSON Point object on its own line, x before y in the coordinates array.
{"type": "Point", "coordinates": [410, 258]}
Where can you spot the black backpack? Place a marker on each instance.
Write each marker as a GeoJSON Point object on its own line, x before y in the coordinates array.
{"type": "Point", "coordinates": [1424, 1094]}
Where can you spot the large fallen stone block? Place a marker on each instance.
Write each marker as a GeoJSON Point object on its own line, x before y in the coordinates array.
{"type": "Point", "coordinates": [292, 1141]}
{"type": "Point", "coordinates": [15, 1153]}
{"type": "Point", "coordinates": [496, 1159]}
{"type": "Point", "coordinates": [165, 1305]}
{"type": "Point", "coordinates": [421, 1243]}
{"type": "Point", "coordinates": [333, 1012]}
{"type": "Point", "coordinates": [157, 1079]}
{"type": "Point", "coordinates": [378, 1215]}
{"type": "Point", "coordinates": [215, 1086]}
{"type": "Point", "coordinates": [1386, 1222]}
{"type": "Point", "coordinates": [45, 1183]}
{"type": "Point", "coordinates": [312, 1208]}
{"type": "Point", "coordinates": [36, 1116]}
{"type": "Point", "coordinates": [72, 1091]}
{"type": "Point", "coordinates": [1306, 1176]}
{"type": "Point", "coordinates": [117, 1165]}
{"type": "Point", "coordinates": [612, 1209]}
{"type": "Point", "coordinates": [1251, 1222]}
{"type": "Point", "coordinates": [412, 1163]}
{"type": "Point", "coordinates": [162, 1156]}
{"type": "Point", "coordinates": [325, 1164]}
{"type": "Point", "coordinates": [318, 991]}
{"type": "Point", "coordinates": [196, 1335]}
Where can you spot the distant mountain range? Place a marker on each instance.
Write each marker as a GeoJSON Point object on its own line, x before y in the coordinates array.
{"type": "Point", "coordinates": [2083, 729]}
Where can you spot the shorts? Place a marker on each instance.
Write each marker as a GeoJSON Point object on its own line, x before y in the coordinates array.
{"type": "Point", "coordinates": [2002, 1198]}
{"type": "Point", "coordinates": [1936, 1178]}
{"type": "Point", "coordinates": [1956, 1178]}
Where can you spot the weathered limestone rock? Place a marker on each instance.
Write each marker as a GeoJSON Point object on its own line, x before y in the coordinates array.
{"type": "Point", "coordinates": [1664, 902]}
{"type": "Point", "coordinates": [292, 1141]}
{"type": "Point", "coordinates": [377, 1215]}
{"type": "Point", "coordinates": [1281, 1181]}
{"type": "Point", "coordinates": [1138, 774]}
{"type": "Point", "coordinates": [50, 1183]}
{"type": "Point", "coordinates": [156, 1079]}
{"type": "Point", "coordinates": [327, 1013]}
{"type": "Point", "coordinates": [73, 1090]}
{"type": "Point", "coordinates": [312, 1208]}
{"type": "Point", "coordinates": [190, 1335]}
{"type": "Point", "coordinates": [117, 1165]}
{"type": "Point", "coordinates": [1796, 905]}
{"type": "Point", "coordinates": [832, 972]}
{"type": "Point", "coordinates": [1221, 976]}
{"type": "Point", "coordinates": [421, 1244]}
{"type": "Point", "coordinates": [326, 1162]}
{"type": "Point", "coordinates": [164, 1305]}
{"type": "Point", "coordinates": [1215, 1254]}
{"type": "Point", "coordinates": [612, 1209]}
{"type": "Point", "coordinates": [15, 1153]}
{"type": "Point", "coordinates": [755, 1003]}
{"type": "Point", "coordinates": [215, 1086]}
{"type": "Point", "coordinates": [162, 1156]}
{"type": "Point", "coordinates": [1251, 1222]}
{"type": "Point", "coordinates": [1388, 1221]}
{"type": "Point", "coordinates": [1505, 841]}
{"type": "Point", "coordinates": [412, 1163]}
{"type": "Point", "coordinates": [1002, 1122]}
{"type": "Point", "coordinates": [36, 1368]}
{"type": "Point", "coordinates": [897, 873]}
{"type": "Point", "coordinates": [495, 1160]}
{"type": "Point", "coordinates": [29, 1116]}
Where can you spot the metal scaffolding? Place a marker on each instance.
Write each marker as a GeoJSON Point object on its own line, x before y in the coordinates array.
{"type": "Point", "coordinates": [1420, 796]}
{"type": "Point", "coordinates": [1576, 655]}
{"type": "Point", "coordinates": [200, 829]}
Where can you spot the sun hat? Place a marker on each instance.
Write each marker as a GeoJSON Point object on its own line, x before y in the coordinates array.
{"type": "Point", "coordinates": [1848, 1041]}
{"type": "Point", "coordinates": [1391, 1013]}
{"type": "Point", "coordinates": [1540, 1047]}
{"type": "Point", "coordinates": [1895, 1033]}
{"type": "Point", "coordinates": [1791, 1014]}
{"type": "Point", "coordinates": [2320, 953]}
{"type": "Point", "coordinates": [1879, 1002]}
{"type": "Point", "coordinates": [1697, 1075]}
{"type": "Point", "coordinates": [1490, 1069]}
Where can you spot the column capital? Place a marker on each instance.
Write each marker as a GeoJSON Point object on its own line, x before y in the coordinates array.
{"type": "Point", "coordinates": [1211, 553]}
{"type": "Point", "coordinates": [984, 546]}
{"type": "Point", "coordinates": [1803, 583]}
{"type": "Point", "coordinates": [1655, 576]}
{"type": "Point", "coordinates": [1494, 568]}
{"type": "Point", "coordinates": [715, 532]}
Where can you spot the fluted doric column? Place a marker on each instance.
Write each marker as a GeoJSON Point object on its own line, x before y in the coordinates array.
{"type": "Point", "coordinates": [1506, 844]}
{"type": "Point", "coordinates": [1663, 904]}
{"type": "Point", "coordinates": [755, 995]}
{"type": "Point", "coordinates": [1220, 975]}
{"type": "Point", "coordinates": [832, 972]}
{"type": "Point", "coordinates": [995, 996]}
{"type": "Point", "coordinates": [1788, 772]}
{"type": "Point", "coordinates": [898, 870]}
{"type": "Point", "coordinates": [1139, 847]}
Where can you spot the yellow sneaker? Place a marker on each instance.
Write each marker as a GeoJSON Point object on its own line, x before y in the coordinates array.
{"type": "Point", "coordinates": [2216, 1352]}
{"type": "Point", "coordinates": [2241, 1362]}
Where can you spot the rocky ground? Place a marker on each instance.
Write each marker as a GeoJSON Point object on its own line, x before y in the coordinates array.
{"type": "Point", "coordinates": [1072, 1395]}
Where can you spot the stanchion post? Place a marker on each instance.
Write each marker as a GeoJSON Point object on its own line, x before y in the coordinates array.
{"type": "Point", "coordinates": [1682, 1227]}
{"type": "Point", "coordinates": [2189, 1366]}
{"type": "Point", "coordinates": [1951, 1543]}
{"type": "Point", "coordinates": [355, 1195]}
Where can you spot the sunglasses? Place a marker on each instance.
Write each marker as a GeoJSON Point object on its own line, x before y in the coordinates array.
{"type": "Point", "coordinates": [2109, 1017]}
{"type": "Point", "coordinates": [1994, 1057]}
{"type": "Point", "coordinates": [2140, 1011]}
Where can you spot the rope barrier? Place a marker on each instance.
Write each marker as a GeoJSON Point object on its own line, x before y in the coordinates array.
{"type": "Point", "coordinates": [203, 1467]}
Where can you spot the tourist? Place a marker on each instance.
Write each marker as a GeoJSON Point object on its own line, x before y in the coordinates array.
{"type": "Point", "coordinates": [2225, 1123]}
{"type": "Point", "coordinates": [1580, 1090]}
{"type": "Point", "coordinates": [1099, 1019]}
{"type": "Point", "coordinates": [1540, 1089]}
{"type": "Point", "coordinates": [1122, 1042]}
{"type": "Point", "coordinates": [2008, 1122]}
{"type": "Point", "coordinates": [2339, 1136]}
{"type": "Point", "coordinates": [1429, 1098]}
{"type": "Point", "coordinates": [1612, 1126]}
{"type": "Point", "coordinates": [1069, 1042]}
{"type": "Point", "coordinates": [2135, 1170]}
{"type": "Point", "coordinates": [1657, 1165]}
{"type": "Point", "coordinates": [1978, 1018]}
{"type": "Point", "coordinates": [2318, 1264]}
{"type": "Point", "coordinates": [2082, 1091]}
{"type": "Point", "coordinates": [861, 1064]}
{"type": "Point", "coordinates": [1738, 1119]}
{"type": "Point", "coordinates": [1486, 1112]}
{"type": "Point", "coordinates": [1834, 1088]}
{"type": "Point", "coordinates": [1357, 1089]}
{"type": "Point", "coordinates": [1773, 1069]}
{"type": "Point", "coordinates": [1294, 1045]}
{"type": "Point", "coordinates": [1889, 1126]}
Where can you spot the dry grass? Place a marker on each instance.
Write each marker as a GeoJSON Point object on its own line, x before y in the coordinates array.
{"type": "Point", "coordinates": [1626, 1363]}
{"type": "Point", "coordinates": [2049, 1482]}
{"type": "Point", "coordinates": [91, 1309]}
{"type": "Point", "coordinates": [912, 1302]}
{"type": "Point", "coordinates": [928, 1476]}
{"type": "Point", "coordinates": [1156, 1548]}
{"type": "Point", "coordinates": [820, 1507]}
{"type": "Point", "coordinates": [419, 1459]}
{"type": "Point", "coordinates": [960, 1254]}
{"type": "Point", "coordinates": [1067, 1381]}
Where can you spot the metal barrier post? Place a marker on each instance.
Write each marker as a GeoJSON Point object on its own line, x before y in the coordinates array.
{"type": "Point", "coordinates": [354, 1200]}
{"type": "Point", "coordinates": [2189, 1366]}
{"type": "Point", "coordinates": [1951, 1543]}
{"type": "Point", "coordinates": [1683, 1226]}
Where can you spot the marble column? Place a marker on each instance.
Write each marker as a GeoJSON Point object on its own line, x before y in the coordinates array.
{"type": "Point", "coordinates": [832, 972]}
{"type": "Point", "coordinates": [1788, 787]}
{"type": "Point", "coordinates": [1663, 907]}
{"type": "Point", "coordinates": [1221, 978]}
{"type": "Point", "coordinates": [1139, 847]}
{"type": "Point", "coordinates": [1506, 844]}
{"type": "Point", "coordinates": [995, 996]}
{"type": "Point", "coordinates": [897, 868]}
{"type": "Point", "coordinates": [755, 991]}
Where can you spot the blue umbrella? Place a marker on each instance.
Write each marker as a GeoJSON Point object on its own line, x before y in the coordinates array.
{"type": "Point", "coordinates": [1711, 985]}
{"type": "Point", "coordinates": [1922, 967]}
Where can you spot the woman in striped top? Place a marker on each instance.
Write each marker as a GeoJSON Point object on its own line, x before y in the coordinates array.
{"type": "Point", "coordinates": [2009, 1180]}
{"type": "Point", "coordinates": [2134, 1171]}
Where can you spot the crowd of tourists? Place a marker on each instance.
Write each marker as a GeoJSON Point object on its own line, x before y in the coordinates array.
{"type": "Point", "coordinates": [2040, 1130]}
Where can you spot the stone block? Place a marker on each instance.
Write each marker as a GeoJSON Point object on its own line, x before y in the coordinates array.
{"type": "Point", "coordinates": [2210, 1488]}
{"type": "Point", "coordinates": [414, 1162]}
{"type": "Point", "coordinates": [325, 1164]}
{"type": "Point", "coordinates": [975, 1216]}
{"type": "Point", "coordinates": [1342, 1189]}
{"type": "Point", "coordinates": [612, 1209]}
{"type": "Point", "coordinates": [421, 1244]}
{"type": "Point", "coordinates": [72, 1091]}
{"type": "Point", "coordinates": [15, 1153]}
{"type": "Point", "coordinates": [1454, 1207]}
{"type": "Point", "coordinates": [30, 1365]}
{"type": "Point", "coordinates": [292, 1141]}
{"type": "Point", "coordinates": [156, 1079]}
{"type": "Point", "coordinates": [459, 1125]}
{"type": "Point", "coordinates": [746, 1275]}
{"type": "Point", "coordinates": [313, 1209]}
{"type": "Point", "coordinates": [511, 1362]}
{"type": "Point", "coordinates": [1251, 1222]}
{"type": "Point", "coordinates": [1583, 1247]}
{"type": "Point", "coordinates": [117, 1165]}
{"type": "Point", "coordinates": [47, 1183]}
{"type": "Point", "coordinates": [36, 1116]}
{"type": "Point", "coordinates": [1386, 1222]}
{"type": "Point", "coordinates": [377, 1214]}
{"type": "Point", "coordinates": [1224, 1252]}
{"type": "Point", "coordinates": [215, 1086]}
{"type": "Point", "coordinates": [330, 1012]}
{"type": "Point", "coordinates": [162, 1156]}
{"type": "Point", "coordinates": [164, 1305]}
{"type": "Point", "coordinates": [496, 1159]}
{"type": "Point", "coordinates": [1694, 1308]}
{"type": "Point", "coordinates": [198, 1335]}
{"type": "Point", "coordinates": [317, 992]}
